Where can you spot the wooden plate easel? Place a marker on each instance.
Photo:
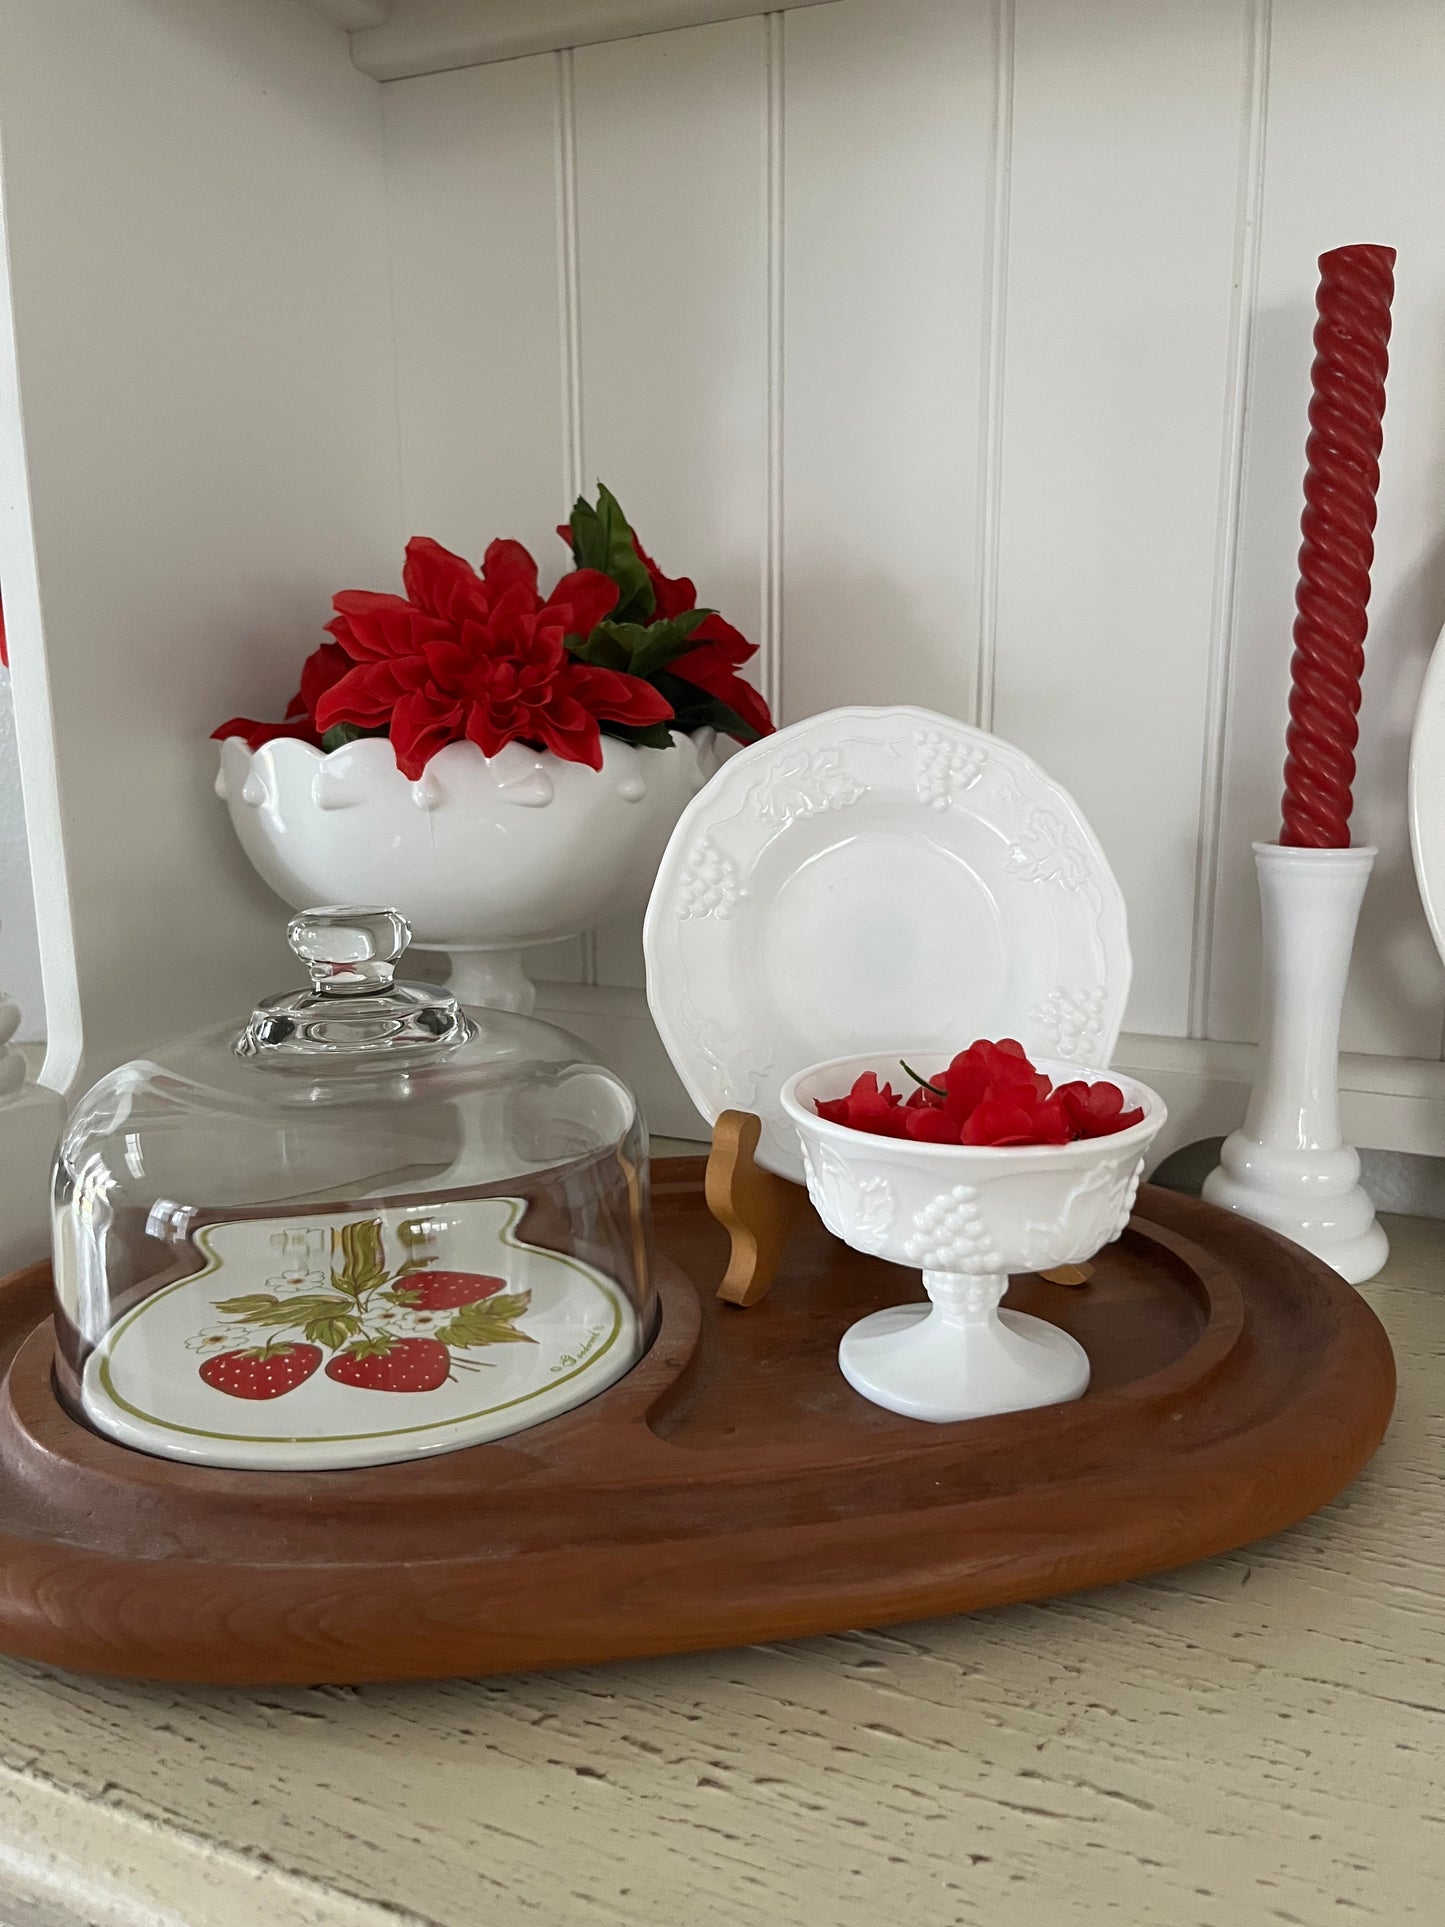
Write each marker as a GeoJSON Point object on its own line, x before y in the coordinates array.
{"type": "Point", "coordinates": [731, 1489]}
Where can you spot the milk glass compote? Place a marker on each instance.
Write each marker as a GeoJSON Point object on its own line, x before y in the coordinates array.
{"type": "Point", "coordinates": [966, 1216]}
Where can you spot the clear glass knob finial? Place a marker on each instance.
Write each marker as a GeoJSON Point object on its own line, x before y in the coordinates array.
{"type": "Point", "coordinates": [349, 951]}
{"type": "Point", "coordinates": [352, 1007]}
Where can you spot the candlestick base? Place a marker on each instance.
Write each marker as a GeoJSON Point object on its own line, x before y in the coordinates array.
{"type": "Point", "coordinates": [1288, 1167]}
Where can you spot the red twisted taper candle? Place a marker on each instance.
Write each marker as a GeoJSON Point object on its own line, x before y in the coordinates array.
{"type": "Point", "coordinates": [1347, 410]}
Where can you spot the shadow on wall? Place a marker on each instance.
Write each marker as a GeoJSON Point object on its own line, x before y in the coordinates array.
{"type": "Point", "coordinates": [1401, 1181]}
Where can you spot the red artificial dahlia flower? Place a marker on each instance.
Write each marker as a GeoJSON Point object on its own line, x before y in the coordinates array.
{"type": "Point", "coordinates": [480, 657]}
{"type": "Point", "coordinates": [617, 647]}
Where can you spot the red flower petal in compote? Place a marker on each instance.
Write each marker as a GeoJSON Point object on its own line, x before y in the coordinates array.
{"type": "Point", "coordinates": [930, 1125]}
{"type": "Point", "coordinates": [877, 1109]}
{"type": "Point", "coordinates": [991, 1094]}
{"type": "Point", "coordinates": [1096, 1110]}
{"type": "Point", "coordinates": [1014, 1120]}
{"type": "Point", "coordinates": [988, 1069]}
{"type": "Point", "coordinates": [867, 1107]}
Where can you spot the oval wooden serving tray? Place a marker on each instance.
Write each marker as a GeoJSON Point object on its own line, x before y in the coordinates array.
{"type": "Point", "coordinates": [731, 1489]}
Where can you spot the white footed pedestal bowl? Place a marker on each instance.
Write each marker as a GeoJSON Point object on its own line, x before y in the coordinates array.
{"type": "Point", "coordinates": [966, 1216]}
{"type": "Point", "coordinates": [485, 857]}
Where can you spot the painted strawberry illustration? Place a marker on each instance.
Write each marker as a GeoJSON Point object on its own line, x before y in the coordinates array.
{"type": "Point", "coordinates": [392, 1365]}
{"type": "Point", "coordinates": [446, 1290]}
{"type": "Point", "coordinates": [366, 1315]}
{"type": "Point", "coordinates": [266, 1371]}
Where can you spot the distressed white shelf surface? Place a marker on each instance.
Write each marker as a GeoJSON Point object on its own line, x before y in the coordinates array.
{"type": "Point", "coordinates": [1253, 1740]}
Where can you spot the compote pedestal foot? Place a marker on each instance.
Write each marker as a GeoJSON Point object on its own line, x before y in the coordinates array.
{"type": "Point", "coordinates": [960, 1356]}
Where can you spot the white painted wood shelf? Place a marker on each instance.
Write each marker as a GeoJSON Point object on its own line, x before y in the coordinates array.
{"type": "Point", "coordinates": [1256, 1740]}
{"type": "Point", "coordinates": [399, 39]}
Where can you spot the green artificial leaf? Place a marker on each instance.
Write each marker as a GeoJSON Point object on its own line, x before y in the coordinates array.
{"type": "Point", "coordinates": [404, 1296]}
{"type": "Point", "coordinates": [664, 642]}
{"type": "Point", "coordinates": [410, 1232]}
{"type": "Point", "coordinates": [608, 646]}
{"type": "Point", "coordinates": [332, 1329]}
{"type": "Point", "coordinates": [415, 1264]}
{"type": "Point", "coordinates": [490, 1321]}
{"type": "Point", "coordinates": [340, 734]}
{"type": "Point", "coordinates": [640, 649]}
{"type": "Point", "coordinates": [601, 539]}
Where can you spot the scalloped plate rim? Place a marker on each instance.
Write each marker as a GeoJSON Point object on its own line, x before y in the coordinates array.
{"type": "Point", "coordinates": [668, 987]}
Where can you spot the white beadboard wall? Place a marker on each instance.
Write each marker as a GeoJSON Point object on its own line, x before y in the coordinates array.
{"type": "Point", "coordinates": [958, 348]}
{"type": "Point", "coordinates": [960, 352]}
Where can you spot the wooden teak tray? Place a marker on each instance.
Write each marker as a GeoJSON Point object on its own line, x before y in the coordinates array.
{"type": "Point", "coordinates": [731, 1489]}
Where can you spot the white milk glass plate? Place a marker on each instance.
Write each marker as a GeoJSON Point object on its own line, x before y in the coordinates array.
{"type": "Point", "coordinates": [872, 877]}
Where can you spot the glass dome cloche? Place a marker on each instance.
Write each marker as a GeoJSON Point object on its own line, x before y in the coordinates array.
{"type": "Point", "coordinates": [366, 1225]}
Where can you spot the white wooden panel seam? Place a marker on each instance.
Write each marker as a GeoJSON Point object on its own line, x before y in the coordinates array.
{"type": "Point", "coordinates": [1122, 248]}
{"type": "Point", "coordinates": [574, 460]}
{"type": "Point", "coordinates": [994, 361]}
{"type": "Point", "coordinates": [888, 139]}
{"type": "Point", "coordinates": [673, 217]}
{"type": "Point", "coordinates": [480, 267]}
{"type": "Point", "coordinates": [770, 650]}
{"type": "Point", "coordinates": [575, 480]}
{"type": "Point", "coordinates": [1224, 614]}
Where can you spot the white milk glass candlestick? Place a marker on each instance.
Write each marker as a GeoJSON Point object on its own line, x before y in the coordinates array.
{"type": "Point", "coordinates": [1288, 1167]}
